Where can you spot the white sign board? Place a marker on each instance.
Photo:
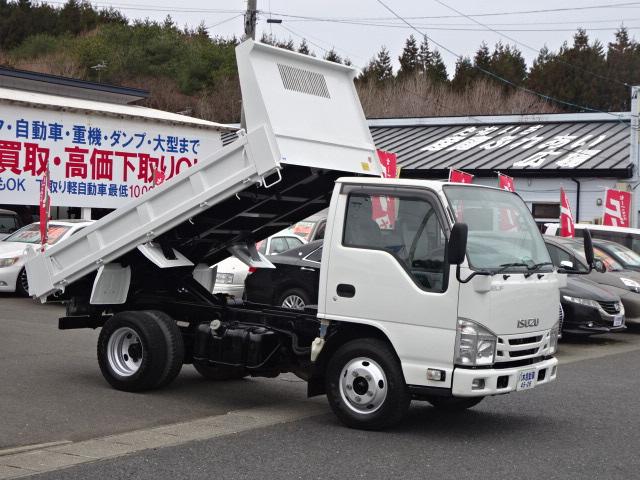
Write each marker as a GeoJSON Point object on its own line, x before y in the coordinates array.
{"type": "Point", "coordinates": [94, 160]}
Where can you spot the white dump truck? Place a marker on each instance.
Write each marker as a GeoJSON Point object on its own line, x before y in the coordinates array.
{"type": "Point", "coordinates": [440, 302]}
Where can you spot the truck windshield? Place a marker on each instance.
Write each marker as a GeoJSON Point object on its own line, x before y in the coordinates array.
{"type": "Point", "coordinates": [502, 233]}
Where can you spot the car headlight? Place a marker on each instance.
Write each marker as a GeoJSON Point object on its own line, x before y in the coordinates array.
{"type": "Point", "coordinates": [7, 262]}
{"type": "Point", "coordinates": [553, 338]}
{"type": "Point", "coordinates": [475, 344]}
{"type": "Point", "coordinates": [631, 284]}
{"type": "Point", "coordinates": [581, 301]}
{"type": "Point", "coordinates": [224, 278]}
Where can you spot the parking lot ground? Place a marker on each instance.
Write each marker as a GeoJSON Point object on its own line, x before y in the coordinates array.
{"type": "Point", "coordinates": [52, 391]}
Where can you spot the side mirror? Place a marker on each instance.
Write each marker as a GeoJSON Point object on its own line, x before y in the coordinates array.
{"type": "Point", "coordinates": [588, 247]}
{"type": "Point", "coordinates": [566, 265]}
{"type": "Point", "coordinates": [599, 266]}
{"type": "Point", "coordinates": [457, 247]}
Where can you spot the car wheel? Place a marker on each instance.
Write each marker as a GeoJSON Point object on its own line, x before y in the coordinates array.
{"type": "Point", "coordinates": [454, 404]}
{"type": "Point", "coordinates": [220, 372]}
{"type": "Point", "coordinates": [295, 299]}
{"type": "Point", "coordinates": [140, 350]}
{"type": "Point", "coordinates": [365, 385]}
{"type": "Point", "coordinates": [22, 283]}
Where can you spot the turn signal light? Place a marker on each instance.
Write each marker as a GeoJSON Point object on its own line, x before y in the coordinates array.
{"type": "Point", "coordinates": [252, 269]}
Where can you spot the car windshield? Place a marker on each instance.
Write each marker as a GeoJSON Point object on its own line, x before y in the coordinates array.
{"type": "Point", "coordinates": [628, 256]}
{"type": "Point", "coordinates": [502, 233]}
{"type": "Point", "coordinates": [7, 223]}
{"type": "Point", "coordinates": [609, 262]}
{"type": "Point", "coordinates": [31, 234]}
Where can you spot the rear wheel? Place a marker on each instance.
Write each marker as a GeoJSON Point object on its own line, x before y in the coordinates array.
{"type": "Point", "coordinates": [295, 299]}
{"type": "Point", "coordinates": [22, 283]}
{"type": "Point", "coordinates": [365, 385]}
{"type": "Point", "coordinates": [454, 404]}
{"type": "Point", "coordinates": [220, 372]}
{"type": "Point", "coordinates": [140, 350]}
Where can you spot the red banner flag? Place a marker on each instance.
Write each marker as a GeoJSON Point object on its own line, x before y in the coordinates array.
{"type": "Point", "coordinates": [459, 177]}
{"type": "Point", "coordinates": [506, 183]}
{"type": "Point", "coordinates": [383, 208]}
{"type": "Point", "coordinates": [617, 206]}
{"type": "Point", "coordinates": [44, 203]}
{"type": "Point", "coordinates": [567, 228]}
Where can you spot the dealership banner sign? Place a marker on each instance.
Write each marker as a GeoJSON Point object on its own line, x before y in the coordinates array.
{"type": "Point", "coordinates": [567, 227]}
{"type": "Point", "coordinates": [92, 160]}
{"type": "Point", "coordinates": [616, 208]}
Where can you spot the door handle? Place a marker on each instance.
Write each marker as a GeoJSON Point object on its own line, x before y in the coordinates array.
{"type": "Point", "coordinates": [346, 290]}
{"type": "Point", "coordinates": [308, 269]}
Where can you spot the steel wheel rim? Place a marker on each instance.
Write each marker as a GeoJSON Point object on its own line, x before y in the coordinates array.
{"type": "Point", "coordinates": [24, 280]}
{"type": "Point", "coordinates": [124, 352]}
{"type": "Point", "coordinates": [294, 302]}
{"type": "Point", "coordinates": [363, 385]}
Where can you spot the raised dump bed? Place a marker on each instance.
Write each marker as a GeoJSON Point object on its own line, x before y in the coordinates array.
{"type": "Point", "coordinates": [304, 128]}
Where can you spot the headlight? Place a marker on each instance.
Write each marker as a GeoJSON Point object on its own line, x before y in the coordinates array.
{"type": "Point", "coordinates": [475, 344]}
{"type": "Point", "coordinates": [631, 284]}
{"type": "Point", "coordinates": [7, 262]}
{"type": "Point", "coordinates": [581, 301]}
{"type": "Point", "coordinates": [553, 338]}
{"type": "Point", "coordinates": [224, 277]}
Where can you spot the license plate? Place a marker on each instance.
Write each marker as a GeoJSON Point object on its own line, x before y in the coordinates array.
{"type": "Point", "coordinates": [618, 320]}
{"type": "Point", "coordinates": [526, 379]}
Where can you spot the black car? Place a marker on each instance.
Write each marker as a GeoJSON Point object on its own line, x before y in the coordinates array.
{"type": "Point", "coordinates": [292, 284]}
{"type": "Point", "coordinates": [626, 257]}
{"type": "Point", "coordinates": [590, 308]}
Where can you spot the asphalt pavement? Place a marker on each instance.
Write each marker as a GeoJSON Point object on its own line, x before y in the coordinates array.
{"type": "Point", "coordinates": [582, 426]}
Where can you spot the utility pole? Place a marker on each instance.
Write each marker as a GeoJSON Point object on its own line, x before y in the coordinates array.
{"type": "Point", "coordinates": [250, 19]}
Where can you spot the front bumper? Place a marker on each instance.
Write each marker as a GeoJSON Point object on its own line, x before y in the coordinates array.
{"type": "Point", "coordinates": [499, 380]}
{"type": "Point", "coordinates": [9, 276]}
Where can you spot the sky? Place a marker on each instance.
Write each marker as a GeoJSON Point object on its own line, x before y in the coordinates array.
{"type": "Point", "coordinates": [358, 28]}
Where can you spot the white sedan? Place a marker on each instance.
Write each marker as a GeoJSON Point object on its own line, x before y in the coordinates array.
{"type": "Point", "coordinates": [231, 272]}
{"type": "Point", "coordinates": [13, 276]}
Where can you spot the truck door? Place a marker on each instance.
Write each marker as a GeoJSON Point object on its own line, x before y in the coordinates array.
{"type": "Point", "coordinates": [387, 268]}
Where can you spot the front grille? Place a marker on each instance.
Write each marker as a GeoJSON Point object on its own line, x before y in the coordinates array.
{"type": "Point", "coordinates": [523, 353]}
{"type": "Point", "coordinates": [611, 308]}
{"type": "Point", "coordinates": [525, 340]}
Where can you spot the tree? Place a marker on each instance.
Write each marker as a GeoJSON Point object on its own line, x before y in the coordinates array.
{"type": "Point", "coordinates": [382, 65]}
{"type": "Point", "coordinates": [508, 63]}
{"type": "Point", "coordinates": [304, 48]}
{"type": "Point", "coordinates": [409, 60]}
{"type": "Point", "coordinates": [623, 66]}
{"type": "Point", "coordinates": [437, 70]}
{"type": "Point", "coordinates": [482, 58]}
{"type": "Point", "coordinates": [424, 55]}
{"type": "Point", "coordinates": [465, 74]}
{"type": "Point", "coordinates": [333, 56]}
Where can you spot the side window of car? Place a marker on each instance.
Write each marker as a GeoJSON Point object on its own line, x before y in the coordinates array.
{"type": "Point", "coordinates": [278, 245]}
{"type": "Point", "coordinates": [293, 242]}
{"type": "Point", "coordinates": [559, 255]}
{"type": "Point", "coordinates": [261, 246]}
{"type": "Point", "coordinates": [315, 256]}
{"type": "Point", "coordinates": [320, 232]}
{"type": "Point", "coordinates": [405, 226]}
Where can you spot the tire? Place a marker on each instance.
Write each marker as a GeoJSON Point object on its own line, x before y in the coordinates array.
{"type": "Point", "coordinates": [367, 369]}
{"type": "Point", "coordinates": [140, 350]}
{"type": "Point", "coordinates": [454, 404]}
{"type": "Point", "coordinates": [294, 298]}
{"type": "Point", "coordinates": [220, 372]}
{"type": "Point", "coordinates": [22, 284]}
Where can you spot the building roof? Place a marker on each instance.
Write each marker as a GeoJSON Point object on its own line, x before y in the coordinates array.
{"type": "Point", "coordinates": [69, 87]}
{"type": "Point", "coordinates": [581, 144]}
{"type": "Point", "coordinates": [56, 102]}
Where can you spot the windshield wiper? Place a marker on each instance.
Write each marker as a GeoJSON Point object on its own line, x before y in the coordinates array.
{"type": "Point", "coordinates": [504, 266]}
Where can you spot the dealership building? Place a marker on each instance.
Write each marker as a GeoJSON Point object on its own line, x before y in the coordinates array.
{"type": "Point", "coordinates": [104, 149]}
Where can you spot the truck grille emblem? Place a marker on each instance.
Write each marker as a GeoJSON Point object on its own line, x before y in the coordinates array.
{"type": "Point", "coordinates": [528, 322]}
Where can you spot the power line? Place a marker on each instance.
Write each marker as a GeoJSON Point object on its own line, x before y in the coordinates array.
{"type": "Point", "coordinates": [520, 12]}
{"type": "Point", "coordinates": [529, 47]}
{"type": "Point", "coordinates": [209, 27]}
{"type": "Point", "coordinates": [307, 37]}
{"type": "Point", "coordinates": [495, 75]}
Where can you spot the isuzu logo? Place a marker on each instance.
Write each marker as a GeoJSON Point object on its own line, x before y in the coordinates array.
{"type": "Point", "coordinates": [528, 322]}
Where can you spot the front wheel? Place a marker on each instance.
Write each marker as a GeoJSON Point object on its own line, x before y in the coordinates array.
{"type": "Point", "coordinates": [22, 283]}
{"type": "Point", "coordinates": [454, 404]}
{"type": "Point", "coordinates": [365, 385]}
{"type": "Point", "coordinates": [294, 298]}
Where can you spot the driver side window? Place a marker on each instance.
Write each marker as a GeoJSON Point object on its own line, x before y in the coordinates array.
{"type": "Point", "coordinates": [407, 227]}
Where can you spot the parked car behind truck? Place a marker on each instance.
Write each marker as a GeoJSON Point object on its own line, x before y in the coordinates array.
{"type": "Point", "coordinates": [441, 304]}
